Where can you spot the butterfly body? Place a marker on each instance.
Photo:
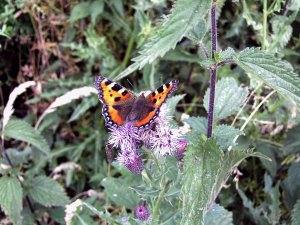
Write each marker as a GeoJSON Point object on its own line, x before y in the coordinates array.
{"type": "Point", "coordinates": [121, 106]}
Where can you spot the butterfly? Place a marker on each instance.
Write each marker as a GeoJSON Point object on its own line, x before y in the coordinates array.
{"type": "Point", "coordinates": [121, 106]}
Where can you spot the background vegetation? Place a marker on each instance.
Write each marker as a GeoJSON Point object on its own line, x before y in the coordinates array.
{"type": "Point", "coordinates": [59, 155]}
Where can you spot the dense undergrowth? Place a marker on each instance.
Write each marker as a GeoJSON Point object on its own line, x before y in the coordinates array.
{"type": "Point", "coordinates": [54, 141]}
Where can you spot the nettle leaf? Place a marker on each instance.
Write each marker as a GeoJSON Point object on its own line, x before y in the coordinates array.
{"type": "Point", "coordinates": [11, 195]}
{"type": "Point", "coordinates": [228, 97]}
{"type": "Point", "coordinates": [198, 124]}
{"type": "Point", "coordinates": [121, 196]}
{"type": "Point", "coordinates": [226, 54]}
{"type": "Point", "coordinates": [274, 72]}
{"type": "Point", "coordinates": [172, 102]}
{"type": "Point", "coordinates": [47, 192]}
{"type": "Point", "coordinates": [185, 15]}
{"type": "Point", "coordinates": [206, 170]}
{"type": "Point", "coordinates": [225, 134]}
{"type": "Point", "coordinates": [202, 162]}
{"type": "Point", "coordinates": [292, 141]}
{"type": "Point", "coordinates": [198, 32]}
{"type": "Point", "coordinates": [218, 215]}
{"type": "Point", "coordinates": [20, 130]}
{"type": "Point", "coordinates": [296, 213]}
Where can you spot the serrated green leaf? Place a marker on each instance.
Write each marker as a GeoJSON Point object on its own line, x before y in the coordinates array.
{"type": "Point", "coordinates": [226, 54]}
{"type": "Point", "coordinates": [198, 124]}
{"type": "Point", "coordinates": [20, 130]}
{"type": "Point", "coordinates": [276, 73]}
{"type": "Point", "coordinates": [197, 33]}
{"type": "Point", "coordinates": [218, 215]}
{"type": "Point", "coordinates": [47, 192]}
{"type": "Point", "coordinates": [225, 134]}
{"type": "Point", "coordinates": [206, 170]}
{"type": "Point", "coordinates": [80, 11]}
{"type": "Point", "coordinates": [184, 16]}
{"type": "Point", "coordinates": [296, 213]}
{"type": "Point", "coordinates": [282, 31]}
{"type": "Point", "coordinates": [201, 165]}
{"type": "Point", "coordinates": [121, 196]}
{"type": "Point", "coordinates": [11, 195]}
{"type": "Point", "coordinates": [172, 103]}
{"type": "Point", "coordinates": [228, 98]}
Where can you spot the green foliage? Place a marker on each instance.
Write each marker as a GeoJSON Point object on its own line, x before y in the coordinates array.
{"type": "Point", "coordinates": [85, 9]}
{"type": "Point", "coordinates": [184, 17]}
{"type": "Point", "coordinates": [46, 191]}
{"type": "Point", "coordinates": [296, 214]}
{"type": "Point", "coordinates": [218, 215]}
{"type": "Point", "coordinates": [228, 98]}
{"type": "Point", "coordinates": [274, 72]}
{"type": "Point", "coordinates": [11, 195]}
{"type": "Point", "coordinates": [20, 130]}
{"type": "Point", "coordinates": [206, 170]}
{"type": "Point", "coordinates": [117, 194]}
{"type": "Point", "coordinates": [225, 134]}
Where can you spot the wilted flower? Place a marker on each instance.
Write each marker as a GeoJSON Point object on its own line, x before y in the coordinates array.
{"type": "Point", "coordinates": [181, 149]}
{"type": "Point", "coordinates": [71, 210]}
{"type": "Point", "coordinates": [142, 212]}
{"type": "Point", "coordinates": [131, 160]}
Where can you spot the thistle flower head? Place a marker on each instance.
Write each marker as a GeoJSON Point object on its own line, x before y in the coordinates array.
{"type": "Point", "coordinates": [131, 160]}
{"type": "Point", "coordinates": [182, 144]}
{"type": "Point", "coordinates": [142, 212]}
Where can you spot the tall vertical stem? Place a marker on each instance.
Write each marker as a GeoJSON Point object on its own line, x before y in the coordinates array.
{"type": "Point", "coordinates": [265, 16]}
{"type": "Point", "coordinates": [213, 70]}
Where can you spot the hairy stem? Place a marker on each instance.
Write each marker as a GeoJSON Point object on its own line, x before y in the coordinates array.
{"type": "Point", "coordinates": [213, 70]}
{"type": "Point", "coordinates": [265, 15]}
{"type": "Point", "coordinates": [159, 200]}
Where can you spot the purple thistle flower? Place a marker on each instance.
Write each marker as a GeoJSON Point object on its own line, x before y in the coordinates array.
{"type": "Point", "coordinates": [181, 149]}
{"type": "Point", "coordinates": [131, 160]}
{"type": "Point", "coordinates": [142, 212]}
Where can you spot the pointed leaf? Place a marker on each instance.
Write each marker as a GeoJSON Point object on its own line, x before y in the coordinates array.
{"type": "Point", "coordinates": [47, 192]}
{"type": "Point", "coordinates": [184, 16]}
{"type": "Point", "coordinates": [20, 130]}
{"type": "Point", "coordinates": [229, 97]}
{"type": "Point", "coordinates": [122, 196]}
{"type": "Point", "coordinates": [11, 195]}
{"type": "Point", "coordinates": [202, 162]}
{"type": "Point", "coordinates": [218, 215]}
{"type": "Point", "coordinates": [225, 134]}
{"type": "Point", "coordinates": [274, 72]}
{"type": "Point", "coordinates": [198, 124]}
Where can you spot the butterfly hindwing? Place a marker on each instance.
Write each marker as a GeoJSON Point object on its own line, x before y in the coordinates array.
{"type": "Point", "coordinates": [111, 95]}
{"type": "Point", "coordinates": [155, 100]}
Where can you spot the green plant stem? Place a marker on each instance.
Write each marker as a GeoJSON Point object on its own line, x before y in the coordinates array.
{"type": "Point", "coordinates": [213, 71]}
{"type": "Point", "coordinates": [129, 48]}
{"type": "Point", "coordinates": [265, 16]}
{"type": "Point", "coordinates": [159, 200]}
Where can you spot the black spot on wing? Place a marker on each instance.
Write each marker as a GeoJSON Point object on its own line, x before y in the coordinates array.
{"type": "Point", "coordinates": [116, 87]}
{"type": "Point", "coordinates": [154, 100]}
{"type": "Point", "coordinates": [108, 82]}
{"type": "Point", "coordinates": [124, 93]}
{"type": "Point", "coordinates": [168, 85]}
{"type": "Point", "coordinates": [160, 89]}
{"type": "Point", "coordinates": [153, 94]}
{"type": "Point", "coordinates": [117, 99]}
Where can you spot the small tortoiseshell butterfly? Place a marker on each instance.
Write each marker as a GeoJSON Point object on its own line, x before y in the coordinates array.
{"type": "Point", "coordinates": [121, 106]}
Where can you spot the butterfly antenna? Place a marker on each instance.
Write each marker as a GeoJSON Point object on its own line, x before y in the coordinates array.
{"type": "Point", "coordinates": [130, 83]}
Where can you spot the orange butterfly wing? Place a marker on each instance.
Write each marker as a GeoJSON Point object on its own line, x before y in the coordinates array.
{"type": "Point", "coordinates": [110, 94]}
{"type": "Point", "coordinates": [156, 99]}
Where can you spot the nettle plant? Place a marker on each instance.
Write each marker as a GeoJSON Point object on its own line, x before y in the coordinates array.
{"type": "Point", "coordinates": [180, 185]}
